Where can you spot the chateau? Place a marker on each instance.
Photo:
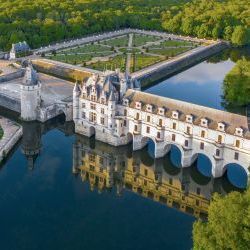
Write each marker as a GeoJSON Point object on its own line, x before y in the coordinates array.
{"type": "Point", "coordinates": [112, 107]}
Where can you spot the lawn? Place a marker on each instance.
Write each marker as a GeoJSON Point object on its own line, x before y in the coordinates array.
{"type": "Point", "coordinates": [113, 63]}
{"type": "Point", "coordinates": [77, 58]}
{"type": "Point", "coordinates": [176, 43]}
{"type": "Point", "coordinates": [169, 52]}
{"type": "Point", "coordinates": [140, 61]}
{"type": "Point", "coordinates": [129, 50]}
{"type": "Point", "coordinates": [121, 41]}
{"type": "Point", "coordinates": [86, 49]}
{"type": "Point", "coordinates": [140, 40]}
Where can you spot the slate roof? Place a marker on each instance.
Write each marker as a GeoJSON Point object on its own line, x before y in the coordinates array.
{"type": "Point", "coordinates": [214, 116]}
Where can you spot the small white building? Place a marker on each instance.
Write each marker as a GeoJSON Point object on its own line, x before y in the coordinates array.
{"type": "Point", "coordinates": [18, 48]}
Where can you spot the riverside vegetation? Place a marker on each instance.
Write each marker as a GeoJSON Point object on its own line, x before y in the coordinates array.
{"type": "Point", "coordinates": [42, 22]}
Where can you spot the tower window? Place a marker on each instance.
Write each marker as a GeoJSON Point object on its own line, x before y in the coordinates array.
{"type": "Point", "coordinates": [148, 130]}
{"type": "Point", "coordinates": [174, 125]}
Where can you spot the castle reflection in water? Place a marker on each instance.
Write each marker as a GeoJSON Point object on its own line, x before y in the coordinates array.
{"type": "Point", "coordinates": [105, 167]}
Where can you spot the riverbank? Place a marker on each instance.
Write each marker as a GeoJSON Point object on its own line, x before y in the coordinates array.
{"type": "Point", "coordinates": [12, 132]}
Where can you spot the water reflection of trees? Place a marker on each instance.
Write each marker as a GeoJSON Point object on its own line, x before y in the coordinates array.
{"type": "Point", "coordinates": [234, 54]}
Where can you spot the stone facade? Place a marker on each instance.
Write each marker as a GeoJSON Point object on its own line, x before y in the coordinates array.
{"type": "Point", "coordinates": [110, 107]}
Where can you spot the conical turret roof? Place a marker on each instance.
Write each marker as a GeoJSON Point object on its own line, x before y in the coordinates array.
{"type": "Point", "coordinates": [30, 77]}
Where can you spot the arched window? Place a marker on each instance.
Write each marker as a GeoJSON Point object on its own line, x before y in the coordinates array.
{"type": "Point", "coordinates": [148, 118]}
{"type": "Point", "coordinates": [125, 112]}
{"type": "Point", "coordinates": [137, 116]}
{"type": "Point", "coordinates": [188, 130]}
{"type": "Point", "coordinates": [174, 125]}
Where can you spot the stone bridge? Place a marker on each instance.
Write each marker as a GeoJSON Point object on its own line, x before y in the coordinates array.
{"type": "Point", "coordinates": [222, 137]}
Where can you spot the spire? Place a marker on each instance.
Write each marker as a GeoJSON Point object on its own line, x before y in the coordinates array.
{"type": "Point", "coordinates": [30, 77]}
{"type": "Point", "coordinates": [77, 88]}
{"type": "Point", "coordinates": [112, 95]}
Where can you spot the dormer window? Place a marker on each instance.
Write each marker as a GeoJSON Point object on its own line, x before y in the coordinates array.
{"type": "Point", "coordinates": [189, 118]}
{"type": "Point", "coordinates": [175, 114]}
{"type": "Point", "coordinates": [239, 131]}
{"type": "Point", "coordinates": [125, 102]}
{"type": "Point", "coordinates": [204, 122]}
{"type": "Point", "coordinates": [149, 108]}
{"type": "Point", "coordinates": [102, 100]}
{"type": "Point", "coordinates": [138, 105]}
{"type": "Point", "coordinates": [161, 111]}
{"type": "Point", "coordinates": [221, 126]}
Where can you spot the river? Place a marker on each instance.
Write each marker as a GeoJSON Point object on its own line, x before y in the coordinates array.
{"type": "Point", "coordinates": [64, 191]}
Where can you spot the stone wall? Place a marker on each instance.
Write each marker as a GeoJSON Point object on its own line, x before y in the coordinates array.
{"type": "Point", "coordinates": [10, 103]}
{"type": "Point", "coordinates": [167, 69]}
{"type": "Point", "coordinates": [11, 143]}
{"type": "Point", "coordinates": [12, 76]}
{"type": "Point", "coordinates": [60, 70]}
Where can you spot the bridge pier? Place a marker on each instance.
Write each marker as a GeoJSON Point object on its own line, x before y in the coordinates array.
{"type": "Point", "coordinates": [160, 149]}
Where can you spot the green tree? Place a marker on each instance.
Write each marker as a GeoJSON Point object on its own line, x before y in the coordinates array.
{"type": "Point", "coordinates": [228, 225]}
{"type": "Point", "coordinates": [240, 35]}
{"type": "Point", "coordinates": [236, 87]}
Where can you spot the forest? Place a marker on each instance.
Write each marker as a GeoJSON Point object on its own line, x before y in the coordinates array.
{"type": "Point", "coordinates": [42, 22]}
{"type": "Point", "coordinates": [237, 84]}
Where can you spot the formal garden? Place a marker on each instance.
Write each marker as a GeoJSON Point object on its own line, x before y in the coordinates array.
{"type": "Point", "coordinates": [141, 50]}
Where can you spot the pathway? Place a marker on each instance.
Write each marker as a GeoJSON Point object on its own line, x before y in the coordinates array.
{"type": "Point", "coordinates": [128, 60]}
{"type": "Point", "coordinates": [12, 133]}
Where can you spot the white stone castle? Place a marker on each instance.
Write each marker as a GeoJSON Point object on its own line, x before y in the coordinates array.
{"type": "Point", "coordinates": [112, 107]}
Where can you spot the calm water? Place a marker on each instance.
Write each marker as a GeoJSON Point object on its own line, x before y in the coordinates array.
{"type": "Point", "coordinates": [63, 191]}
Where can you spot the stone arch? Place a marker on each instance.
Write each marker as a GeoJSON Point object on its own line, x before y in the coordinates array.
{"type": "Point", "coordinates": [236, 174]}
{"type": "Point", "coordinates": [130, 137]}
{"type": "Point", "coordinates": [176, 154]}
{"type": "Point", "coordinates": [92, 131]}
{"type": "Point", "coordinates": [149, 142]}
{"type": "Point", "coordinates": [203, 163]}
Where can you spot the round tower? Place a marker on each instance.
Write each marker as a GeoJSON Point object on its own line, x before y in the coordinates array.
{"type": "Point", "coordinates": [30, 94]}
{"type": "Point", "coordinates": [76, 101]}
